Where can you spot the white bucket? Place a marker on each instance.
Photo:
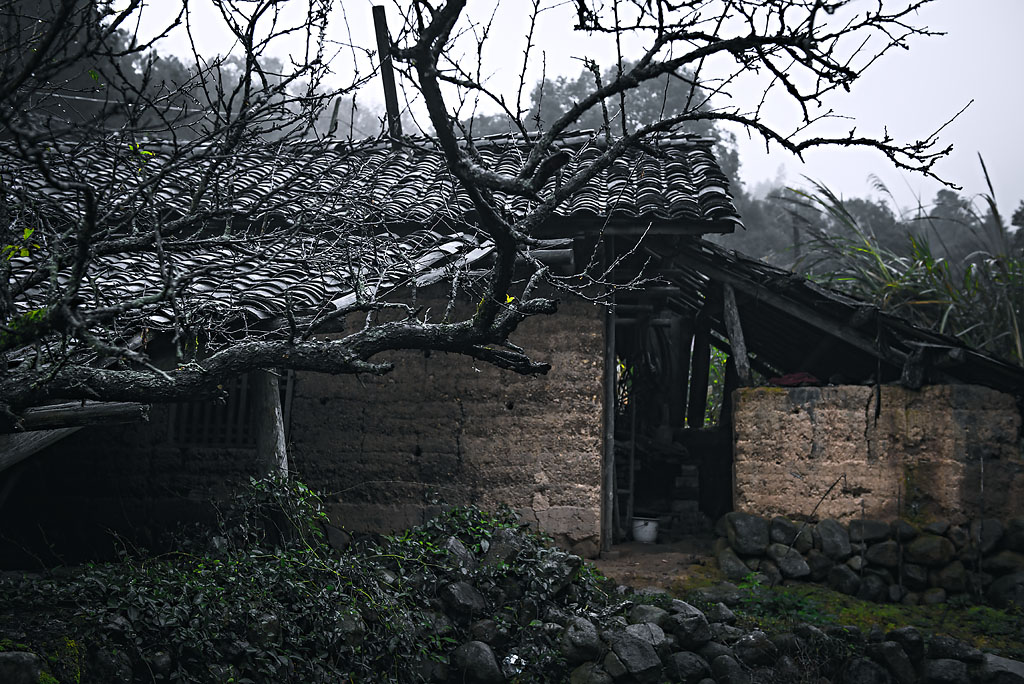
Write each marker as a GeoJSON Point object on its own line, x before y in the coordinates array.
{"type": "Point", "coordinates": [645, 530]}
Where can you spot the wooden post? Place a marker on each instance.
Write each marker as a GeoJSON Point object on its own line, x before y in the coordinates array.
{"type": "Point", "coordinates": [682, 338]}
{"type": "Point", "coordinates": [19, 446]}
{"type": "Point", "coordinates": [735, 332]}
{"type": "Point", "coordinates": [271, 451]}
{"type": "Point", "coordinates": [387, 75]}
{"type": "Point", "coordinates": [608, 461]}
{"type": "Point", "coordinates": [699, 369]}
{"type": "Point", "coordinates": [77, 414]}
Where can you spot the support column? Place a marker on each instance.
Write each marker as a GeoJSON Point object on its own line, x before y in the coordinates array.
{"type": "Point", "coordinates": [271, 450]}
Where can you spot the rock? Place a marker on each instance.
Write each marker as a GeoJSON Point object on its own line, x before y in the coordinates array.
{"type": "Point", "coordinates": [504, 546]}
{"type": "Point", "coordinates": [911, 598]}
{"type": "Point", "coordinates": [731, 565]}
{"type": "Point", "coordinates": [580, 642]}
{"type": "Point", "coordinates": [843, 579]}
{"type": "Point", "coordinates": [613, 666]}
{"type": "Point", "coordinates": [689, 625]}
{"type": "Point", "coordinates": [819, 565]}
{"type": "Point", "coordinates": [938, 527]}
{"type": "Point", "coordinates": [850, 634]}
{"type": "Point", "coordinates": [930, 550]}
{"type": "Point", "coordinates": [109, 666]}
{"type": "Point", "coordinates": [686, 668]}
{"type": "Point", "coordinates": [725, 633]}
{"type": "Point", "coordinates": [645, 612]}
{"type": "Point", "coordinates": [713, 649]}
{"type": "Point", "coordinates": [784, 531]}
{"type": "Point", "coordinates": [1004, 563]}
{"type": "Point", "coordinates": [485, 630]}
{"type": "Point", "coordinates": [161, 664]}
{"type": "Point", "coordinates": [896, 593]}
{"type": "Point", "coordinates": [755, 649]}
{"type": "Point", "coordinates": [429, 670]}
{"type": "Point", "coordinates": [352, 628]}
{"type": "Point", "coordinates": [728, 671]}
{"type": "Point", "coordinates": [459, 555]}
{"type": "Point", "coordinates": [720, 613]}
{"type": "Point", "coordinates": [903, 531]}
{"type": "Point", "coordinates": [944, 671]}
{"type": "Point", "coordinates": [337, 538]}
{"type": "Point", "coordinates": [770, 572]}
{"type": "Point", "coordinates": [652, 634]}
{"type": "Point", "coordinates": [1008, 589]}
{"type": "Point", "coordinates": [864, 671]}
{"type": "Point", "coordinates": [953, 577]}
{"type": "Point", "coordinates": [915, 576]}
{"type": "Point", "coordinates": [856, 563]}
{"type": "Point", "coordinates": [723, 592]}
{"type": "Point", "coordinates": [873, 588]}
{"type": "Point", "coordinates": [590, 673]}
{"type": "Point", "coordinates": [933, 596]}
{"type": "Point", "coordinates": [832, 539]}
{"type": "Point", "coordinates": [941, 646]}
{"type": "Point", "coordinates": [885, 554]}
{"type": "Point", "coordinates": [19, 667]}
{"type": "Point", "coordinates": [791, 564]}
{"type": "Point", "coordinates": [869, 531]}
{"type": "Point", "coordinates": [787, 643]}
{"type": "Point", "coordinates": [1013, 536]}
{"type": "Point", "coordinates": [911, 641]}
{"type": "Point", "coordinates": [786, 670]}
{"type": "Point", "coordinates": [997, 670]}
{"type": "Point", "coordinates": [638, 658]}
{"type": "Point", "coordinates": [958, 535]}
{"type": "Point", "coordinates": [986, 535]}
{"type": "Point", "coordinates": [810, 634]}
{"type": "Point", "coordinates": [748, 534]}
{"type": "Point", "coordinates": [893, 658]}
{"type": "Point", "coordinates": [462, 598]}
{"type": "Point", "coordinates": [476, 661]}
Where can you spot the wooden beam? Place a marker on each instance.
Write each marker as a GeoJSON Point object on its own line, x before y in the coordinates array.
{"type": "Point", "coordinates": [735, 332]}
{"type": "Point", "coordinates": [387, 75]}
{"type": "Point", "coordinates": [682, 339]}
{"type": "Point", "coordinates": [700, 366]}
{"type": "Point", "coordinates": [77, 414]}
{"type": "Point", "coordinates": [15, 448]}
{"type": "Point", "coordinates": [608, 460]}
{"type": "Point", "coordinates": [271, 449]}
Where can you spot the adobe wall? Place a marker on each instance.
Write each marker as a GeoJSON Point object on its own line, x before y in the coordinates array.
{"type": "Point", "coordinates": [949, 452]}
{"type": "Point", "coordinates": [442, 429]}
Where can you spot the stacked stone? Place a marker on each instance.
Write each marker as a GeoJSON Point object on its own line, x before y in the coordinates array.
{"type": "Point", "coordinates": [880, 561]}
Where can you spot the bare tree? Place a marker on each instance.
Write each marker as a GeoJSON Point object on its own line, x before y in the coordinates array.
{"type": "Point", "coordinates": [138, 201]}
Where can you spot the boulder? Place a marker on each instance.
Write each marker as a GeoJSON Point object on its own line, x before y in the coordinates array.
{"type": "Point", "coordinates": [462, 598]}
{"type": "Point", "coordinates": [19, 667]}
{"type": "Point", "coordinates": [731, 565]}
{"type": "Point", "coordinates": [911, 641]}
{"type": "Point", "coordinates": [720, 612]}
{"type": "Point", "coordinates": [755, 649]}
{"type": "Point", "coordinates": [1013, 536]}
{"type": "Point", "coordinates": [864, 671]}
{"type": "Point", "coordinates": [785, 531]}
{"type": "Point", "coordinates": [1008, 589]}
{"type": "Point", "coordinates": [486, 630]}
{"type": "Point", "coordinates": [893, 658]}
{"type": "Point", "coordinates": [873, 588]}
{"type": "Point", "coordinates": [953, 577]}
{"type": "Point", "coordinates": [886, 554]}
{"type": "Point", "coordinates": [789, 561]}
{"type": "Point", "coordinates": [930, 550]}
{"type": "Point", "coordinates": [903, 531]}
{"type": "Point", "coordinates": [942, 646]}
{"type": "Point", "coordinates": [504, 546]}
{"type": "Point", "coordinates": [652, 634]}
{"type": "Point", "coordinates": [689, 625]}
{"type": "Point", "coordinates": [476, 662]}
{"type": "Point", "coordinates": [915, 576]}
{"type": "Point", "coordinates": [638, 658]}
{"type": "Point", "coordinates": [729, 671]}
{"type": "Point", "coordinates": [944, 671]}
{"type": "Point", "coordinates": [843, 579]}
{"type": "Point", "coordinates": [590, 673]}
{"type": "Point", "coordinates": [939, 527]}
{"type": "Point", "coordinates": [459, 555]}
{"type": "Point", "coordinates": [869, 531]}
{"type": "Point", "coordinates": [997, 670]}
{"type": "Point", "coordinates": [819, 565]}
{"type": "Point", "coordinates": [933, 596]}
{"type": "Point", "coordinates": [1004, 563]}
{"type": "Point", "coordinates": [986, 534]}
{"type": "Point", "coordinates": [645, 612]}
{"type": "Point", "coordinates": [748, 534]}
{"type": "Point", "coordinates": [832, 539]}
{"type": "Point", "coordinates": [959, 536]}
{"type": "Point", "coordinates": [770, 572]}
{"type": "Point", "coordinates": [686, 668]}
{"type": "Point", "coordinates": [580, 642]}
{"type": "Point", "coordinates": [723, 592]}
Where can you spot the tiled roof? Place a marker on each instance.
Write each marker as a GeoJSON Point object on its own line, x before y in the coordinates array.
{"type": "Point", "coordinates": [374, 188]}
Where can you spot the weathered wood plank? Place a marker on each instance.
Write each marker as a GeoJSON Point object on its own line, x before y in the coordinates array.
{"type": "Point", "coordinates": [700, 365]}
{"type": "Point", "coordinates": [77, 414]}
{"type": "Point", "coordinates": [735, 332]}
{"type": "Point", "coordinates": [15, 448]}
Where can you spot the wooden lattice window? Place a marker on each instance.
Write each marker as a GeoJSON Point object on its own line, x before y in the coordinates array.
{"type": "Point", "coordinates": [227, 423]}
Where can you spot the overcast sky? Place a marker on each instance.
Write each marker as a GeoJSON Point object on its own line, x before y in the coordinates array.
{"type": "Point", "coordinates": [909, 93]}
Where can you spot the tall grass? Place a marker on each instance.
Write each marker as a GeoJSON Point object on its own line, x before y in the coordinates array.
{"type": "Point", "coordinates": [976, 296]}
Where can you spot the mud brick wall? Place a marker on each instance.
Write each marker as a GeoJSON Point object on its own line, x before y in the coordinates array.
{"type": "Point", "coordinates": [949, 452]}
{"type": "Point", "coordinates": [445, 429]}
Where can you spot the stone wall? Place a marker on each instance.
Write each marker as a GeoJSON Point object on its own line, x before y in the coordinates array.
{"type": "Point", "coordinates": [949, 452]}
{"type": "Point", "coordinates": [445, 429]}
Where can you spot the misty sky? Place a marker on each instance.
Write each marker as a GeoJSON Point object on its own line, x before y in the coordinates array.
{"type": "Point", "coordinates": [909, 93]}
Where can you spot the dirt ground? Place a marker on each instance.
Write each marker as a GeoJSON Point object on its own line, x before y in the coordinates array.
{"type": "Point", "coordinates": [656, 565]}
